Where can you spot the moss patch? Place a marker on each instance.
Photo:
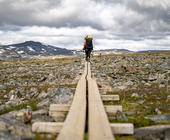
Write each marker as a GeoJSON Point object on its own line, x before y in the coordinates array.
{"type": "Point", "coordinates": [32, 104]}
{"type": "Point", "coordinates": [125, 138]}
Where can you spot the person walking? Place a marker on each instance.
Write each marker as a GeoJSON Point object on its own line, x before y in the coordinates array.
{"type": "Point", "coordinates": [88, 46]}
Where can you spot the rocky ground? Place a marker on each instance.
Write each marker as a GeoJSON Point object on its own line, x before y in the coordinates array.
{"type": "Point", "coordinates": [143, 83]}
{"type": "Point", "coordinates": [141, 80]}
{"type": "Point", "coordinates": [34, 83]}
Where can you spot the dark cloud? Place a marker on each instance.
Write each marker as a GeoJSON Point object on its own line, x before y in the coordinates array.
{"type": "Point", "coordinates": [116, 15]}
{"type": "Point", "coordinates": [63, 21]}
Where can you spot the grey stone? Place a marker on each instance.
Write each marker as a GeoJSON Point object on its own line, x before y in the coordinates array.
{"type": "Point", "coordinates": [156, 132]}
{"type": "Point", "coordinates": [123, 87]}
{"type": "Point", "coordinates": [141, 101]}
{"type": "Point", "coordinates": [40, 112]}
{"type": "Point", "coordinates": [147, 84]}
{"type": "Point", "coordinates": [43, 95]}
{"type": "Point", "coordinates": [3, 126]}
{"type": "Point", "coordinates": [6, 136]}
{"type": "Point", "coordinates": [168, 97]}
{"type": "Point", "coordinates": [158, 111]}
{"type": "Point", "coordinates": [12, 92]}
{"type": "Point", "coordinates": [44, 103]}
{"type": "Point", "coordinates": [167, 134]}
{"type": "Point", "coordinates": [2, 87]}
{"type": "Point", "coordinates": [2, 107]}
{"type": "Point", "coordinates": [159, 118]}
{"type": "Point", "coordinates": [120, 116]}
{"type": "Point", "coordinates": [63, 95]}
{"type": "Point", "coordinates": [12, 103]}
{"type": "Point", "coordinates": [136, 95]}
{"type": "Point", "coordinates": [161, 86]}
{"type": "Point", "coordinates": [129, 83]}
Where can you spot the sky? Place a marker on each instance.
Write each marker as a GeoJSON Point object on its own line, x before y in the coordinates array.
{"type": "Point", "coordinates": [122, 24]}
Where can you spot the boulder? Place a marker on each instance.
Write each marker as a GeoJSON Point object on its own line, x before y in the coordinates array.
{"type": "Point", "coordinates": [156, 132]}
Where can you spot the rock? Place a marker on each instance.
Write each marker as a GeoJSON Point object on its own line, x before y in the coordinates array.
{"type": "Point", "coordinates": [165, 65]}
{"type": "Point", "coordinates": [147, 65]}
{"type": "Point", "coordinates": [136, 95]}
{"type": "Point", "coordinates": [152, 78]}
{"type": "Point", "coordinates": [120, 116]}
{"type": "Point", "coordinates": [103, 75]}
{"type": "Point", "coordinates": [12, 103]}
{"type": "Point", "coordinates": [3, 126]}
{"type": "Point", "coordinates": [167, 134]}
{"type": "Point", "coordinates": [158, 111]}
{"type": "Point", "coordinates": [161, 86]}
{"type": "Point", "coordinates": [20, 131]}
{"type": "Point", "coordinates": [19, 95]}
{"type": "Point", "coordinates": [43, 95]}
{"type": "Point", "coordinates": [52, 92]}
{"type": "Point", "coordinates": [2, 107]}
{"type": "Point", "coordinates": [123, 87]}
{"type": "Point", "coordinates": [99, 85]}
{"type": "Point", "coordinates": [147, 84]}
{"type": "Point", "coordinates": [129, 83]}
{"type": "Point", "coordinates": [33, 92]}
{"type": "Point", "coordinates": [12, 92]}
{"type": "Point", "coordinates": [156, 132]}
{"type": "Point", "coordinates": [141, 101]}
{"type": "Point", "coordinates": [64, 95]}
{"type": "Point", "coordinates": [159, 118]}
{"type": "Point", "coordinates": [5, 135]}
{"type": "Point", "coordinates": [168, 97]}
{"type": "Point", "coordinates": [2, 87]}
{"type": "Point", "coordinates": [40, 112]}
{"type": "Point", "coordinates": [5, 96]}
{"type": "Point", "coordinates": [44, 103]}
{"type": "Point", "coordinates": [19, 115]}
{"type": "Point", "coordinates": [43, 79]}
{"type": "Point", "coordinates": [12, 97]}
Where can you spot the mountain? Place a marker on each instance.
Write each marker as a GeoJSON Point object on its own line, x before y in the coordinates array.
{"type": "Point", "coordinates": [31, 48]}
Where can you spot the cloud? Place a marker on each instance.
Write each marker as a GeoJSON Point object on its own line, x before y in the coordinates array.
{"type": "Point", "coordinates": [117, 23]}
{"type": "Point", "coordinates": [73, 38]}
{"type": "Point", "coordinates": [113, 15]}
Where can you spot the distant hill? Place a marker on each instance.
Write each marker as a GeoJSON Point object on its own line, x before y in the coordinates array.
{"type": "Point", "coordinates": [31, 48]}
{"type": "Point", "coordinates": [152, 51]}
{"type": "Point", "coordinates": [116, 50]}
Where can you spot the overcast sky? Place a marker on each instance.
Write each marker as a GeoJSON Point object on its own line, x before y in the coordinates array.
{"type": "Point", "coordinates": [123, 24]}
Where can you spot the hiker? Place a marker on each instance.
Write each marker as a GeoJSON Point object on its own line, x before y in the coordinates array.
{"type": "Point", "coordinates": [88, 46]}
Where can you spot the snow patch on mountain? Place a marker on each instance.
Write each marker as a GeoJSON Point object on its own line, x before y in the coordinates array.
{"type": "Point", "coordinates": [30, 48]}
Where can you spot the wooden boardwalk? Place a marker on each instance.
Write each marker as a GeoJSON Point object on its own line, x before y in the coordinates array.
{"type": "Point", "coordinates": [86, 114]}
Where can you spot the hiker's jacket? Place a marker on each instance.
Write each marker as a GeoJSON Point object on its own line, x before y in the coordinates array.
{"type": "Point", "coordinates": [88, 45]}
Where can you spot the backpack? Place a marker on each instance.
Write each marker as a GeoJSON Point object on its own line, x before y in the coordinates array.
{"type": "Point", "coordinates": [89, 43]}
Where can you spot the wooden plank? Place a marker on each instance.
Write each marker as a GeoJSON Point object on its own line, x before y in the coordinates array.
{"type": "Point", "coordinates": [47, 127]}
{"type": "Point", "coordinates": [56, 110]}
{"type": "Point", "coordinates": [59, 111]}
{"type": "Point", "coordinates": [98, 124]}
{"type": "Point", "coordinates": [55, 128]}
{"type": "Point", "coordinates": [112, 109]}
{"type": "Point", "coordinates": [74, 125]}
{"type": "Point", "coordinates": [59, 107]}
{"type": "Point", "coordinates": [122, 128]}
{"type": "Point", "coordinates": [110, 97]}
